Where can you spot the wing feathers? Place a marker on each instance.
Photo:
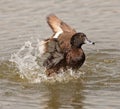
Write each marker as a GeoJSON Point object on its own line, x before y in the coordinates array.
{"type": "Point", "coordinates": [57, 25]}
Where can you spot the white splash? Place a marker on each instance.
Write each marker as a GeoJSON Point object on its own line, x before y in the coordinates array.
{"type": "Point", "coordinates": [41, 47]}
{"type": "Point", "coordinates": [29, 62]}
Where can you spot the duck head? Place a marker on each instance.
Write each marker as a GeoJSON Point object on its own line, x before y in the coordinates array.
{"type": "Point", "coordinates": [78, 39]}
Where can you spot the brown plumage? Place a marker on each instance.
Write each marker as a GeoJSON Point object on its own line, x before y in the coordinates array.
{"type": "Point", "coordinates": [66, 32]}
{"type": "Point", "coordinates": [57, 24]}
{"type": "Point", "coordinates": [63, 49]}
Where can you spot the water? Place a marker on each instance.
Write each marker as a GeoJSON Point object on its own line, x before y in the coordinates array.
{"type": "Point", "coordinates": [25, 86]}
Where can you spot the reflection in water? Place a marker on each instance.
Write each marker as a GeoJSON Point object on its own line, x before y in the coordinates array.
{"type": "Point", "coordinates": [54, 97]}
{"type": "Point", "coordinates": [65, 95]}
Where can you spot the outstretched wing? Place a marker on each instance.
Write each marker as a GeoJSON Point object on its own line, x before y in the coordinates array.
{"type": "Point", "coordinates": [53, 54]}
{"type": "Point", "coordinates": [58, 26]}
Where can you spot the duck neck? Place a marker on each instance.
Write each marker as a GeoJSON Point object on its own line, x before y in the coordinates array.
{"type": "Point", "coordinates": [76, 47]}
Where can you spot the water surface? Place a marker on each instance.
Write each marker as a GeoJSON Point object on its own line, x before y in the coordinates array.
{"type": "Point", "coordinates": [23, 23]}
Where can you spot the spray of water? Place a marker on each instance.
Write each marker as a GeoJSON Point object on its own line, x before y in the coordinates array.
{"type": "Point", "coordinates": [29, 61]}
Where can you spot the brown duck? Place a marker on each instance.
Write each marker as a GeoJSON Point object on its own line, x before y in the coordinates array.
{"type": "Point", "coordinates": [63, 50]}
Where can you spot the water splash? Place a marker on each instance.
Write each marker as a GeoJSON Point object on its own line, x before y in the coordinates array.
{"type": "Point", "coordinates": [29, 61]}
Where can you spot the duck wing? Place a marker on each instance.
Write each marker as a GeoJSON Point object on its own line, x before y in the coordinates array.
{"type": "Point", "coordinates": [58, 26]}
{"type": "Point", "coordinates": [53, 54]}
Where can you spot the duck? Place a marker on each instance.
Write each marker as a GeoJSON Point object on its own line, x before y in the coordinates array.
{"type": "Point", "coordinates": [63, 50]}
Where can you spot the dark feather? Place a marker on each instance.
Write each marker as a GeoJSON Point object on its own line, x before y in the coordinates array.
{"type": "Point", "coordinates": [53, 54]}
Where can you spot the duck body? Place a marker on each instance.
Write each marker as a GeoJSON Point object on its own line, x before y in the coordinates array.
{"type": "Point", "coordinates": [61, 57]}
{"type": "Point", "coordinates": [64, 41]}
{"type": "Point", "coordinates": [75, 58]}
{"type": "Point", "coordinates": [64, 48]}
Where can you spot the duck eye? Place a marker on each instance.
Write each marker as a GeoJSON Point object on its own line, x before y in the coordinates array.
{"type": "Point", "coordinates": [82, 36]}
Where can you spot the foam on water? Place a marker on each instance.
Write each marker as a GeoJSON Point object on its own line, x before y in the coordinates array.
{"type": "Point", "coordinates": [29, 59]}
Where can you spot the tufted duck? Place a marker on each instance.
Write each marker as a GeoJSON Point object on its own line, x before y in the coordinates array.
{"type": "Point", "coordinates": [63, 50]}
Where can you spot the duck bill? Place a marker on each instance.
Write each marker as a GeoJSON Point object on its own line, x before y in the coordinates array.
{"type": "Point", "coordinates": [86, 41]}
